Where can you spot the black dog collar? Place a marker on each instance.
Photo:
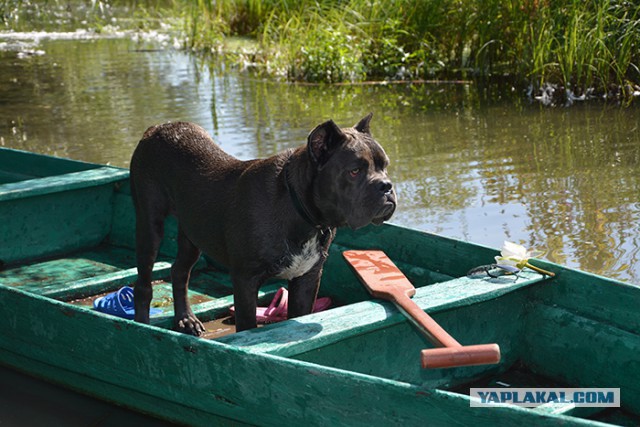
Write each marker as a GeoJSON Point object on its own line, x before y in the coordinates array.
{"type": "Point", "coordinates": [297, 203]}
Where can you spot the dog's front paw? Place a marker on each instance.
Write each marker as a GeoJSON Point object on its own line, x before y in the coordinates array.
{"type": "Point", "coordinates": [189, 325]}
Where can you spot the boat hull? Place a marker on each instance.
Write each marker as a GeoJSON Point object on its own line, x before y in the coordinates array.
{"type": "Point", "coordinates": [69, 239]}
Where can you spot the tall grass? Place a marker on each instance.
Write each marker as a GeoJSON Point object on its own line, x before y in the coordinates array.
{"type": "Point", "coordinates": [576, 43]}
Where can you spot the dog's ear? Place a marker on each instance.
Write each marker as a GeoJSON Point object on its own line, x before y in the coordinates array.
{"type": "Point", "coordinates": [363, 125]}
{"type": "Point", "coordinates": [323, 141]}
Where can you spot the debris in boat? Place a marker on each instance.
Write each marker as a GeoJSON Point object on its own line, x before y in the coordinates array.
{"type": "Point", "coordinates": [277, 310]}
{"type": "Point", "coordinates": [119, 303]}
{"type": "Point", "coordinates": [494, 271]}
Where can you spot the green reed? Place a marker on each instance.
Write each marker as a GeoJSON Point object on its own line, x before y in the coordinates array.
{"type": "Point", "coordinates": [577, 44]}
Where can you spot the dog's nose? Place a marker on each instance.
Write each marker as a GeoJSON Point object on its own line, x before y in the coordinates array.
{"type": "Point", "coordinates": [385, 186]}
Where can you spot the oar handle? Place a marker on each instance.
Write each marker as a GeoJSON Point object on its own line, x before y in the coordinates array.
{"type": "Point", "coordinates": [468, 355]}
{"type": "Point", "coordinates": [425, 323]}
{"type": "Point", "coordinates": [451, 353]}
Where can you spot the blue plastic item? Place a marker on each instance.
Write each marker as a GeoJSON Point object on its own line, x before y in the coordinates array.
{"type": "Point", "coordinates": [119, 303]}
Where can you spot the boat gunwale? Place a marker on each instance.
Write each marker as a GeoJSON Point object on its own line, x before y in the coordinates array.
{"type": "Point", "coordinates": [63, 182]}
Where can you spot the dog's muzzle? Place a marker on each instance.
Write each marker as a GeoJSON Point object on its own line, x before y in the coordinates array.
{"type": "Point", "coordinates": [389, 206]}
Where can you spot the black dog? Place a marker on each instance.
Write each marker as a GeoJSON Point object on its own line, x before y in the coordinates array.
{"type": "Point", "coordinates": [264, 218]}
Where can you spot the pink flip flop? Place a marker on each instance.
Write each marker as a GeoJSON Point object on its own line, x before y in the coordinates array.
{"type": "Point", "coordinates": [277, 310]}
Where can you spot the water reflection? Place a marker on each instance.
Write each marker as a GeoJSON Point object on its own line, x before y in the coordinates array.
{"type": "Point", "coordinates": [469, 166]}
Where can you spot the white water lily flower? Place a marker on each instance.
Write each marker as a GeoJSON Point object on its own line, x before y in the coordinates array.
{"type": "Point", "coordinates": [515, 255]}
{"type": "Point", "coordinates": [515, 251]}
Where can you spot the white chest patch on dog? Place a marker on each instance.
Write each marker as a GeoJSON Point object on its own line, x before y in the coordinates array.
{"type": "Point", "coordinates": [302, 262]}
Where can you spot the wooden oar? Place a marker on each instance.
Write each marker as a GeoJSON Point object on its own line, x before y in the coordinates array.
{"type": "Point", "coordinates": [384, 280]}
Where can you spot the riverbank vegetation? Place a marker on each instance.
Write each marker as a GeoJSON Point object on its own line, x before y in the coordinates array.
{"type": "Point", "coordinates": [558, 51]}
{"type": "Point", "coordinates": [588, 47]}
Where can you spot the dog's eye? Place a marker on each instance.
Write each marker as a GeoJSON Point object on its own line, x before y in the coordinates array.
{"type": "Point", "coordinates": [354, 172]}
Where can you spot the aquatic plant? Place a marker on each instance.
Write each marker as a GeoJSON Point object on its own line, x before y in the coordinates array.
{"type": "Point", "coordinates": [514, 255]}
{"type": "Point", "coordinates": [578, 47]}
{"type": "Point", "coordinates": [575, 44]}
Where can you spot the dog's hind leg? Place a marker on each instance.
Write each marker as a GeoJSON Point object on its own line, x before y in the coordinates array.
{"type": "Point", "coordinates": [149, 234]}
{"type": "Point", "coordinates": [148, 239]}
{"type": "Point", "coordinates": [184, 321]}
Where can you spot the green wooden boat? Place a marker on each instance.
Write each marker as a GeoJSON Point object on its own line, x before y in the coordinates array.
{"type": "Point", "coordinates": [67, 232]}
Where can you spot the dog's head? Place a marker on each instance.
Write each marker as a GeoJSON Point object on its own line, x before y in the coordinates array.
{"type": "Point", "coordinates": [351, 186]}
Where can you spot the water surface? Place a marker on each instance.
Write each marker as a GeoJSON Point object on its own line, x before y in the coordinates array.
{"type": "Point", "coordinates": [467, 163]}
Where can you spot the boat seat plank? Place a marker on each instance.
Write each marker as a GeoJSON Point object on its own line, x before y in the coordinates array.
{"type": "Point", "coordinates": [64, 182]}
{"type": "Point", "coordinates": [49, 276]}
{"type": "Point", "coordinates": [104, 283]}
{"type": "Point", "coordinates": [316, 330]}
